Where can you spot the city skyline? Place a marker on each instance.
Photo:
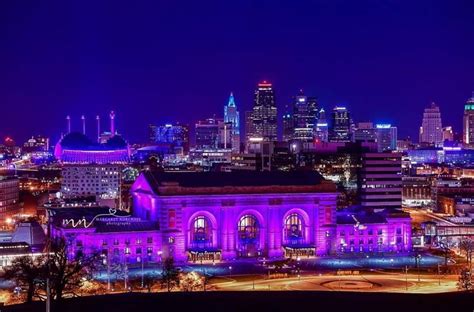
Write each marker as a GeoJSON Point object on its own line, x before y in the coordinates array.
{"type": "Point", "coordinates": [372, 57]}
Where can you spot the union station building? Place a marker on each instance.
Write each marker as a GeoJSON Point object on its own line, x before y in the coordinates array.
{"type": "Point", "coordinates": [218, 215]}
{"type": "Point", "coordinates": [212, 216]}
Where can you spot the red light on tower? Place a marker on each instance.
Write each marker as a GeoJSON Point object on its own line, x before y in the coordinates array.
{"type": "Point", "coordinates": [264, 84]}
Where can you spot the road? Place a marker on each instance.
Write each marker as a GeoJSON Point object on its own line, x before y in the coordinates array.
{"type": "Point", "coordinates": [419, 216]}
{"type": "Point", "coordinates": [372, 282]}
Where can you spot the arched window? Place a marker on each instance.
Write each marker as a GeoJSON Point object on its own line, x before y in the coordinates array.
{"type": "Point", "coordinates": [248, 227]}
{"type": "Point", "coordinates": [293, 227]}
{"type": "Point", "coordinates": [201, 230]}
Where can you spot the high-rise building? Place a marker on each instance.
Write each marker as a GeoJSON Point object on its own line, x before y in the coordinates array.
{"type": "Point", "coordinates": [386, 137]}
{"type": "Point", "coordinates": [231, 115]}
{"type": "Point", "coordinates": [340, 127]}
{"type": "Point", "coordinates": [365, 132]}
{"type": "Point", "coordinates": [103, 182]}
{"type": "Point", "coordinates": [9, 197]}
{"type": "Point", "coordinates": [288, 127]}
{"type": "Point", "coordinates": [249, 126]}
{"type": "Point", "coordinates": [152, 133]}
{"type": "Point", "coordinates": [380, 181]}
{"type": "Point", "coordinates": [468, 123]}
{"type": "Point", "coordinates": [264, 114]}
{"type": "Point", "coordinates": [304, 115]}
{"type": "Point", "coordinates": [321, 130]}
{"type": "Point", "coordinates": [36, 144]}
{"type": "Point", "coordinates": [431, 130]}
{"type": "Point", "coordinates": [175, 135]}
{"type": "Point", "coordinates": [213, 134]}
{"type": "Point", "coordinates": [207, 133]}
{"type": "Point", "coordinates": [448, 134]}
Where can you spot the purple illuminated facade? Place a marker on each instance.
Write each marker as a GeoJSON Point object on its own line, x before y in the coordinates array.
{"type": "Point", "coordinates": [68, 156]}
{"type": "Point", "coordinates": [76, 148]}
{"type": "Point", "coordinates": [214, 216]}
{"type": "Point", "coordinates": [373, 232]}
{"type": "Point", "coordinates": [120, 238]}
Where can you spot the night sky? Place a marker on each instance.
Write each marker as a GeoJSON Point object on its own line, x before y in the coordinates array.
{"type": "Point", "coordinates": [168, 61]}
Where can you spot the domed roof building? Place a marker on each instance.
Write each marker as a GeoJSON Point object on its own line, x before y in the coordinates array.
{"type": "Point", "coordinates": [77, 148]}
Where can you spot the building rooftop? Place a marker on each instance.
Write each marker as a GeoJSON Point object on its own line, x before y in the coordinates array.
{"type": "Point", "coordinates": [352, 217]}
{"type": "Point", "coordinates": [244, 182]}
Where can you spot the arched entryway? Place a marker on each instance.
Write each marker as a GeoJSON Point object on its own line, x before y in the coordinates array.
{"type": "Point", "coordinates": [296, 240]}
{"type": "Point", "coordinates": [202, 242]}
{"type": "Point", "coordinates": [249, 231]}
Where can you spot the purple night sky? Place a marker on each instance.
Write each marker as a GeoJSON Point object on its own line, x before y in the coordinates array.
{"type": "Point", "coordinates": [167, 61]}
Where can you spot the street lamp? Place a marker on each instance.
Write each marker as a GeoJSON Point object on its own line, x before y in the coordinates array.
{"type": "Point", "coordinates": [230, 272]}
{"type": "Point", "coordinates": [418, 261]}
{"type": "Point", "coordinates": [439, 276]}
{"type": "Point", "coordinates": [406, 277]}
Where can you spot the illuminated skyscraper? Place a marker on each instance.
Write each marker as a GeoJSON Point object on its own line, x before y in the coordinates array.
{"type": "Point", "coordinates": [365, 132]}
{"type": "Point", "coordinates": [207, 134]}
{"type": "Point", "coordinates": [448, 134]}
{"type": "Point", "coordinates": [386, 137]}
{"type": "Point", "coordinates": [468, 123]}
{"type": "Point", "coordinates": [321, 130]}
{"type": "Point", "coordinates": [431, 130]}
{"type": "Point", "coordinates": [264, 114]}
{"type": "Point", "coordinates": [231, 115]}
{"type": "Point", "coordinates": [340, 126]}
{"type": "Point", "coordinates": [175, 135]}
{"type": "Point", "coordinates": [288, 126]}
{"type": "Point", "coordinates": [304, 117]}
{"type": "Point", "coordinates": [213, 134]}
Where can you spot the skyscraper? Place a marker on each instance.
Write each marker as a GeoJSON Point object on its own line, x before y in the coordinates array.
{"type": "Point", "coordinates": [321, 130]}
{"type": "Point", "coordinates": [340, 126]}
{"type": "Point", "coordinates": [264, 114]}
{"type": "Point", "coordinates": [468, 123]}
{"type": "Point", "coordinates": [304, 117]}
{"type": "Point", "coordinates": [213, 134]}
{"type": "Point", "coordinates": [380, 181]}
{"type": "Point", "coordinates": [207, 134]}
{"type": "Point", "coordinates": [365, 132]}
{"type": "Point", "coordinates": [288, 126]}
{"type": "Point", "coordinates": [231, 114]}
{"type": "Point", "coordinates": [431, 130]}
{"type": "Point", "coordinates": [152, 133]}
{"type": "Point", "coordinates": [175, 135]}
{"type": "Point", "coordinates": [386, 137]}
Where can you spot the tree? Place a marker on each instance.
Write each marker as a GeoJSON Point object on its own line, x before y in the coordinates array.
{"type": "Point", "coordinates": [27, 272]}
{"type": "Point", "coordinates": [191, 281]}
{"type": "Point", "coordinates": [67, 275]}
{"type": "Point", "coordinates": [149, 281]}
{"type": "Point", "coordinates": [170, 275]}
{"type": "Point", "coordinates": [119, 268]}
{"type": "Point", "coordinates": [467, 246]}
{"type": "Point", "coordinates": [465, 280]}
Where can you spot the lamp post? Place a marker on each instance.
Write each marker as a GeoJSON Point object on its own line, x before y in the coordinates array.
{"type": "Point", "coordinates": [143, 273]}
{"type": "Point", "coordinates": [230, 272]}
{"type": "Point", "coordinates": [406, 277]}
{"type": "Point", "coordinates": [439, 276]}
{"type": "Point", "coordinates": [418, 260]}
{"type": "Point", "coordinates": [298, 267]}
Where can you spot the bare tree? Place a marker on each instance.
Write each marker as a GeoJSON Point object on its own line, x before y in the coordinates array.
{"type": "Point", "coordinates": [66, 275]}
{"type": "Point", "coordinates": [170, 275]}
{"type": "Point", "coordinates": [467, 246]}
{"type": "Point", "coordinates": [26, 271]}
{"type": "Point", "coordinates": [465, 280]}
